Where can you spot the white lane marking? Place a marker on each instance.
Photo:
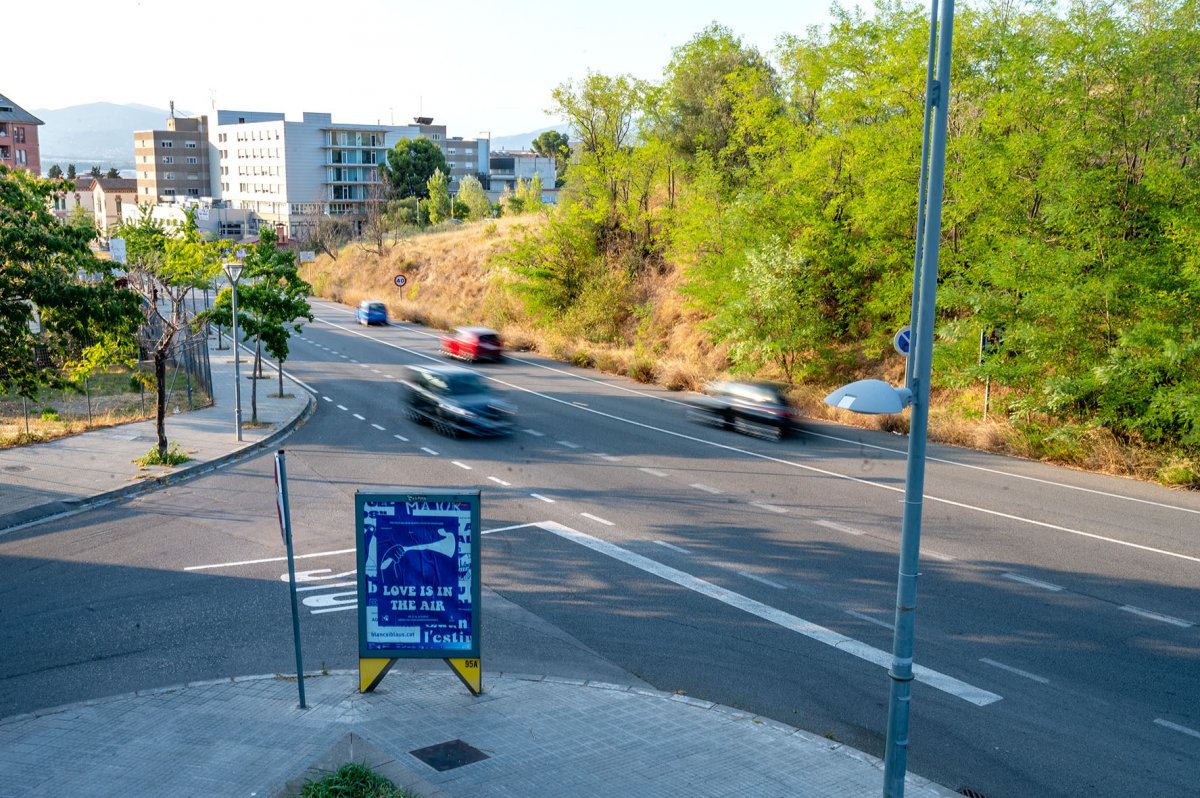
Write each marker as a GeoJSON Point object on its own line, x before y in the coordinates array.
{"type": "Point", "coordinates": [505, 528]}
{"type": "Point", "coordinates": [326, 398]}
{"type": "Point", "coordinates": [672, 547]}
{"type": "Point", "coordinates": [762, 579]}
{"type": "Point", "coordinates": [862, 616]}
{"type": "Point", "coordinates": [310, 588]}
{"type": "Point", "coordinates": [598, 519]}
{"type": "Point", "coordinates": [316, 575]}
{"type": "Point", "coordinates": [427, 450]}
{"type": "Point", "coordinates": [937, 555]}
{"type": "Point", "coordinates": [1025, 580]}
{"type": "Point", "coordinates": [352, 360]}
{"type": "Point", "coordinates": [609, 457]}
{"type": "Point", "coordinates": [400, 438]}
{"type": "Point", "coordinates": [365, 366]}
{"type": "Point", "coordinates": [1157, 616]}
{"type": "Point", "coordinates": [499, 481]}
{"type": "Point", "coordinates": [579, 404]}
{"type": "Point", "coordinates": [568, 444]}
{"type": "Point", "coordinates": [883, 659]}
{"type": "Point", "coordinates": [998, 472]}
{"type": "Point", "coordinates": [765, 506]}
{"type": "Point", "coordinates": [360, 418]}
{"type": "Point", "coordinates": [344, 357]}
{"type": "Point", "coordinates": [463, 466]}
{"type": "Point", "coordinates": [351, 606]}
{"type": "Point", "coordinates": [376, 371]}
{"type": "Point", "coordinates": [1017, 671]}
{"type": "Point", "coordinates": [546, 499]}
{"type": "Point", "coordinates": [705, 488]}
{"type": "Point", "coordinates": [654, 472]}
{"type": "Point", "coordinates": [342, 407]}
{"type": "Point", "coordinates": [533, 432]}
{"type": "Point", "coordinates": [849, 530]}
{"type": "Point", "coordinates": [1176, 727]}
{"type": "Point", "coordinates": [268, 559]}
{"type": "Point", "coordinates": [389, 376]}
{"type": "Point", "coordinates": [793, 464]}
{"type": "Point", "coordinates": [381, 429]}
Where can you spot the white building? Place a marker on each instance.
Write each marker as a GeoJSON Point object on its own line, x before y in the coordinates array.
{"type": "Point", "coordinates": [506, 167]}
{"type": "Point", "coordinates": [291, 173]}
{"type": "Point", "coordinates": [214, 218]}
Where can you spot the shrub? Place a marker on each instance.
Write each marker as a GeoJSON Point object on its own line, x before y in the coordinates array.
{"type": "Point", "coordinates": [49, 414]}
{"type": "Point", "coordinates": [173, 457]}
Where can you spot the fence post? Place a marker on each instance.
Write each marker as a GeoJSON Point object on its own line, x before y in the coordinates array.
{"type": "Point", "coordinates": [87, 389]}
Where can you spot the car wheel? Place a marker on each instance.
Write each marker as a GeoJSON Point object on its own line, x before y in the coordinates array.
{"type": "Point", "coordinates": [415, 416]}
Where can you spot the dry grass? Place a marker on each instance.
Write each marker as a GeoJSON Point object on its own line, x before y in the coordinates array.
{"type": "Point", "coordinates": [451, 282]}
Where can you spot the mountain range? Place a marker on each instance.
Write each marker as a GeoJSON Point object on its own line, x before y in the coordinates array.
{"type": "Point", "coordinates": [101, 134]}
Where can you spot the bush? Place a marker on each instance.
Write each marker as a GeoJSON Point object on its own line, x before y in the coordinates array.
{"type": "Point", "coordinates": [49, 414]}
{"type": "Point", "coordinates": [173, 457]}
{"type": "Point", "coordinates": [354, 781]}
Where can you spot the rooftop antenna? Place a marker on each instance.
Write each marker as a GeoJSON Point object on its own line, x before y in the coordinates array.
{"type": "Point", "coordinates": [212, 98]}
{"type": "Point", "coordinates": [172, 109]}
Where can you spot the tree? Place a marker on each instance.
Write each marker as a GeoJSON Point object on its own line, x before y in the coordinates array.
{"type": "Point", "coordinates": [55, 172]}
{"type": "Point", "coordinates": [552, 144]}
{"type": "Point", "coordinates": [44, 306]}
{"type": "Point", "coordinates": [70, 171]}
{"type": "Point", "coordinates": [438, 203]}
{"type": "Point", "coordinates": [82, 220]}
{"type": "Point", "coordinates": [112, 172]}
{"type": "Point", "coordinates": [162, 268]}
{"type": "Point", "coordinates": [96, 172]}
{"type": "Point", "coordinates": [409, 166]}
{"type": "Point", "coordinates": [471, 194]}
{"type": "Point", "coordinates": [271, 297]}
{"type": "Point", "coordinates": [329, 235]}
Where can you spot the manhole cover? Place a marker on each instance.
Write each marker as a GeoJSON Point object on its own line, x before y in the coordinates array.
{"type": "Point", "coordinates": [16, 468]}
{"type": "Point", "coordinates": [449, 755]}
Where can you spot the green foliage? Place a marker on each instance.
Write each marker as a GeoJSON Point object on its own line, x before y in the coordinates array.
{"type": "Point", "coordinates": [70, 171]}
{"type": "Point", "coordinates": [57, 300]}
{"type": "Point", "coordinates": [438, 192]}
{"type": "Point", "coordinates": [354, 781]}
{"type": "Point", "coordinates": [112, 172]}
{"type": "Point", "coordinates": [95, 172]}
{"type": "Point", "coordinates": [472, 195]}
{"type": "Point", "coordinates": [410, 165]}
{"type": "Point", "coordinates": [171, 457]}
{"type": "Point", "coordinates": [55, 172]}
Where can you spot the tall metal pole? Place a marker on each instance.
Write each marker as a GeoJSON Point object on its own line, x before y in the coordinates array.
{"type": "Point", "coordinates": [895, 758]}
{"type": "Point", "coordinates": [237, 376]}
{"type": "Point", "coordinates": [285, 526]}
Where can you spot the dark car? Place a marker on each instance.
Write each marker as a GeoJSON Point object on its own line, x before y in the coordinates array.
{"type": "Point", "coordinates": [752, 408]}
{"type": "Point", "coordinates": [455, 400]}
{"type": "Point", "coordinates": [372, 312]}
{"type": "Point", "coordinates": [473, 344]}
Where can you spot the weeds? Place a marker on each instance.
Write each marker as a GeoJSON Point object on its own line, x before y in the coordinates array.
{"type": "Point", "coordinates": [173, 457]}
{"type": "Point", "coordinates": [354, 781]}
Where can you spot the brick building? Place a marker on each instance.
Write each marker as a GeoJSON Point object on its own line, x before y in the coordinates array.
{"type": "Point", "coordinates": [19, 137]}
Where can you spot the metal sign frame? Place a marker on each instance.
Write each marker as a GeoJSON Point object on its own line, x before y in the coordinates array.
{"type": "Point", "coordinates": [416, 547]}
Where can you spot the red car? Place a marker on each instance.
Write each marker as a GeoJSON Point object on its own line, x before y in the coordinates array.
{"type": "Point", "coordinates": [473, 344]}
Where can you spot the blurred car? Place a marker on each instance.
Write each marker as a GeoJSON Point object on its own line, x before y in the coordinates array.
{"type": "Point", "coordinates": [751, 408]}
{"type": "Point", "coordinates": [455, 400]}
{"type": "Point", "coordinates": [372, 312]}
{"type": "Point", "coordinates": [473, 344]}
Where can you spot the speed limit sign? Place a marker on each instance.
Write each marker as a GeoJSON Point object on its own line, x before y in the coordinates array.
{"type": "Point", "coordinates": [400, 280]}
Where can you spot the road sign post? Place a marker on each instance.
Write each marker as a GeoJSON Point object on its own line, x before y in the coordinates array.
{"type": "Point", "coordinates": [285, 529]}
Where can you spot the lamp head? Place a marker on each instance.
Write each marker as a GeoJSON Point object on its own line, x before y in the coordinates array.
{"type": "Point", "coordinates": [871, 397]}
{"type": "Point", "coordinates": [233, 271]}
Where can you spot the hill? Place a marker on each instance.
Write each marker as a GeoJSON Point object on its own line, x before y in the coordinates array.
{"type": "Point", "coordinates": [524, 141]}
{"type": "Point", "coordinates": [95, 134]}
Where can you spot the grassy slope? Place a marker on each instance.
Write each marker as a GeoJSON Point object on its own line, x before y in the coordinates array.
{"type": "Point", "coordinates": [450, 283]}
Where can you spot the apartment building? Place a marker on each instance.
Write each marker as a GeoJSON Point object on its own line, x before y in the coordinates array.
{"type": "Point", "coordinates": [506, 167]}
{"type": "Point", "coordinates": [290, 173]}
{"type": "Point", "coordinates": [109, 196]}
{"type": "Point", "coordinates": [173, 164]}
{"type": "Point", "coordinates": [19, 137]}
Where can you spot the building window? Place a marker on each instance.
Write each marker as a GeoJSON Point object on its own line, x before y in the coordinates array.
{"type": "Point", "coordinates": [167, 159]}
{"type": "Point", "coordinates": [191, 145]}
{"type": "Point", "coordinates": [166, 145]}
{"type": "Point", "coordinates": [21, 157]}
{"type": "Point", "coordinates": [193, 192]}
{"type": "Point", "coordinates": [19, 134]}
{"type": "Point", "coordinates": [169, 176]}
{"type": "Point", "coordinates": [192, 159]}
{"type": "Point", "coordinates": [170, 192]}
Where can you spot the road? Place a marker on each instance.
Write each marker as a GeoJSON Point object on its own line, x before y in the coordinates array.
{"type": "Point", "coordinates": [1056, 624]}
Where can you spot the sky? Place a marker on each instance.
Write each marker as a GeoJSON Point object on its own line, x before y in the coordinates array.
{"type": "Point", "coordinates": [480, 67]}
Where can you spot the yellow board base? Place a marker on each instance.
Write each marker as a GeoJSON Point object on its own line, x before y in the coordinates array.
{"type": "Point", "coordinates": [371, 672]}
{"type": "Point", "coordinates": [469, 671]}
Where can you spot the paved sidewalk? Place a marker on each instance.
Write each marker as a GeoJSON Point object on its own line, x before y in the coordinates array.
{"type": "Point", "coordinates": [62, 476]}
{"type": "Point", "coordinates": [247, 735]}
{"type": "Point", "coordinates": [542, 738]}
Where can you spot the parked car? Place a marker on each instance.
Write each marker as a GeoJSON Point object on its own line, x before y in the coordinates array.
{"type": "Point", "coordinates": [473, 344]}
{"type": "Point", "coordinates": [752, 408]}
{"type": "Point", "coordinates": [455, 400]}
{"type": "Point", "coordinates": [372, 312]}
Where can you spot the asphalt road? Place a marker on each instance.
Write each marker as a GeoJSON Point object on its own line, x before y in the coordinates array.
{"type": "Point", "coordinates": [1056, 618]}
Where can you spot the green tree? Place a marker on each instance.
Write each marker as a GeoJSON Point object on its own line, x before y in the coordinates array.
{"type": "Point", "coordinates": [438, 202]}
{"type": "Point", "coordinates": [552, 144]}
{"type": "Point", "coordinates": [471, 194]}
{"type": "Point", "coordinates": [55, 172]}
{"type": "Point", "coordinates": [95, 172]}
{"type": "Point", "coordinates": [82, 220]}
{"type": "Point", "coordinates": [410, 165]}
{"type": "Point", "coordinates": [112, 172]}
{"type": "Point", "coordinates": [44, 305]}
{"type": "Point", "coordinates": [271, 299]}
{"type": "Point", "coordinates": [70, 171]}
{"type": "Point", "coordinates": [163, 268]}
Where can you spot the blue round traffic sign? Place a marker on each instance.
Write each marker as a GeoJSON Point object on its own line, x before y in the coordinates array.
{"type": "Point", "coordinates": [903, 341]}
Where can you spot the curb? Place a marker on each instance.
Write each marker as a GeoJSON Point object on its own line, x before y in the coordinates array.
{"type": "Point", "coordinates": [67, 507]}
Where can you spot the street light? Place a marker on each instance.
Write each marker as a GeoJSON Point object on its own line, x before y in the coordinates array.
{"type": "Point", "coordinates": [233, 271]}
{"type": "Point", "coordinates": [876, 396]}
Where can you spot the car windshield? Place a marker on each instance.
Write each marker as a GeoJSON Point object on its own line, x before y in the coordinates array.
{"type": "Point", "coordinates": [375, 306]}
{"type": "Point", "coordinates": [463, 384]}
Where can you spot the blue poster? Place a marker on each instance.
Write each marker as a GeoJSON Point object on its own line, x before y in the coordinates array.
{"type": "Point", "coordinates": [418, 573]}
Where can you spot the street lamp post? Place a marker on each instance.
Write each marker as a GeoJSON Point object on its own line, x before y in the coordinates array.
{"type": "Point", "coordinates": [876, 396]}
{"type": "Point", "coordinates": [233, 271]}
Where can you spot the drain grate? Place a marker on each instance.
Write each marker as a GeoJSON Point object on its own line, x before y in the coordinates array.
{"type": "Point", "coordinates": [16, 469]}
{"type": "Point", "coordinates": [449, 755]}
{"type": "Point", "coordinates": [967, 791]}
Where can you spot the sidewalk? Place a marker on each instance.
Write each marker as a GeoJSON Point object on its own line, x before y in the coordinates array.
{"type": "Point", "coordinates": [62, 476]}
{"type": "Point", "coordinates": [527, 735]}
